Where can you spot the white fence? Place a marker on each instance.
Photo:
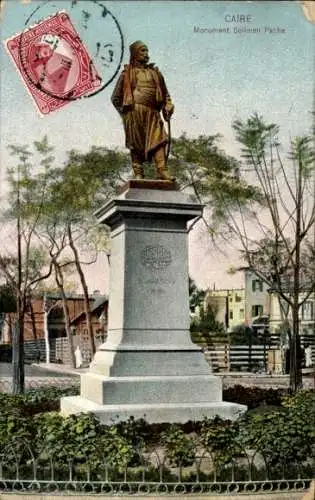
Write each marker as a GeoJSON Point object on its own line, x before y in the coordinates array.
{"type": "Point", "coordinates": [224, 357]}
{"type": "Point", "coordinates": [236, 358]}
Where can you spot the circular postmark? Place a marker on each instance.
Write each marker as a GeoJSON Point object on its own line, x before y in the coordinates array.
{"type": "Point", "coordinates": [156, 257]}
{"type": "Point", "coordinates": [71, 54]}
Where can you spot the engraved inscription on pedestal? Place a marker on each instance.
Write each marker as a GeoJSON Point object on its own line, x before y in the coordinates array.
{"type": "Point", "coordinates": [157, 259]}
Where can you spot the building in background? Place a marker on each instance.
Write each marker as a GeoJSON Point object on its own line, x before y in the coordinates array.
{"type": "Point", "coordinates": [255, 302]}
{"type": "Point", "coordinates": [35, 340]}
{"type": "Point", "coordinates": [257, 298]}
{"type": "Point", "coordinates": [306, 314]}
{"type": "Point", "coordinates": [228, 305]}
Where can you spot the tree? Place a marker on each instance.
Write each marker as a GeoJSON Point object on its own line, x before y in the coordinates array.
{"type": "Point", "coordinates": [53, 296]}
{"type": "Point", "coordinates": [54, 239]}
{"type": "Point", "coordinates": [86, 181]}
{"type": "Point", "coordinates": [25, 264]}
{"type": "Point", "coordinates": [60, 283]}
{"type": "Point", "coordinates": [275, 234]}
{"type": "Point", "coordinates": [55, 207]}
{"type": "Point", "coordinates": [196, 296]}
{"type": "Point", "coordinates": [211, 176]}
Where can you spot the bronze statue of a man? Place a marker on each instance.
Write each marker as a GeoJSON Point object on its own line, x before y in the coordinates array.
{"type": "Point", "coordinates": [140, 96]}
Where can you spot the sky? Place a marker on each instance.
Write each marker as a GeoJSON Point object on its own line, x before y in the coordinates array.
{"type": "Point", "coordinates": [213, 77]}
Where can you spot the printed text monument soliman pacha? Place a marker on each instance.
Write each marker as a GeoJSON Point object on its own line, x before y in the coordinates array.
{"type": "Point", "coordinates": [240, 20]}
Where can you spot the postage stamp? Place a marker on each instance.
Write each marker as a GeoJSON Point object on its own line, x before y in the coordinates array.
{"type": "Point", "coordinates": [53, 63]}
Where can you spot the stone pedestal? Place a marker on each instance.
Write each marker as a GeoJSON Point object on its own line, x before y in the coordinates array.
{"type": "Point", "coordinates": [149, 367]}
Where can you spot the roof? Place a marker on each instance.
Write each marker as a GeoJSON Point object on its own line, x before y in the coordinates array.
{"type": "Point", "coordinates": [98, 302]}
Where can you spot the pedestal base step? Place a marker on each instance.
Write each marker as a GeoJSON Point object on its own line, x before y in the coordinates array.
{"type": "Point", "coordinates": [152, 413]}
{"type": "Point", "coordinates": [151, 390]}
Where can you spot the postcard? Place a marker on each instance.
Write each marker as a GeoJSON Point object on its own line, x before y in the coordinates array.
{"type": "Point", "coordinates": [160, 89]}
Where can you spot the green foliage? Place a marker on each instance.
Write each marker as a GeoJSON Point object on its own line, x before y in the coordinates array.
{"type": "Point", "coordinates": [87, 180]}
{"type": "Point", "coordinates": [179, 447]}
{"type": "Point", "coordinates": [210, 175]}
{"type": "Point", "coordinates": [203, 320]}
{"type": "Point", "coordinates": [302, 400]}
{"type": "Point", "coordinates": [35, 401]}
{"type": "Point", "coordinates": [28, 181]}
{"type": "Point", "coordinates": [137, 432]}
{"type": "Point", "coordinates": [14, 427]}
{"type": "Point", "coordinates": [204, 326]}
{"type": "Point", "coordinates": [302, 151]}
{"type": "Point", "coordinates": [116, 448]}
{"type": "Point", "coordinates": [221, 438]}
{"type": "Point", "coordinates": [63, 438]}
{"type": "Point", "coordinates": [208, 322]}
{"type": "Point", "coordinates": [256, 137]}
{"type": "Point", "coordinates": [50, 394]}
{"type": "Point", "coordinates": [254, 397]}
{"type": "Point", "coordinates": [283, 436]}
{"type": "Point", "coordinates": [282, 256]}
{"type": "Point", "coordinates": [196, 295]}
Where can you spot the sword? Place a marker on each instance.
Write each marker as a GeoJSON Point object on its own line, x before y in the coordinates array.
{"type": "Point", "coordinates": [168, 150]}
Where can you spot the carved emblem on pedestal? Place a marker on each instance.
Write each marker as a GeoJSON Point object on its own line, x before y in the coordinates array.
{"type": "Point", "coordinates": [156, 257]}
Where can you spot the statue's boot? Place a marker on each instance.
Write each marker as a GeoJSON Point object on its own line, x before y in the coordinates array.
{"type": "Point", "coordinates": [163, 172]}
{"type": "Point", "coordinates": [138, 171]}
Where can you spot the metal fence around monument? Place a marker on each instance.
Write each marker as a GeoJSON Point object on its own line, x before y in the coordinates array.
{"type": "Point", "coordinates": [148, 472]}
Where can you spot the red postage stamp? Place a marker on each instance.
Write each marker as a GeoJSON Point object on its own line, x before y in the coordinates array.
{"type": "Point", "coordinates": [53, 63]}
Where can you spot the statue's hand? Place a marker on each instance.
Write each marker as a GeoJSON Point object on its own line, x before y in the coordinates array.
{"type": "Point", "coordinates": [167, 111]}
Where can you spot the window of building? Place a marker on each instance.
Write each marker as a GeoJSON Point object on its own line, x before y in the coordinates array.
{"type": "Point", "coordinates": [308, 310]}
{"type": "Point", "coordinates": [238, 298]}
{"type": "Point", "coordinates": [257, 285]}
{"type": "Point", "coordinates": [231, 314]}
{"type": "Point", "coordinates": [257, 310]}
{"type": "Point", "coordinates": [242, 313]}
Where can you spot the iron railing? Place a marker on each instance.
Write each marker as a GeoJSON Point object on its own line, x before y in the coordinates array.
{"type": "Point", "coordinates": [26, 468]}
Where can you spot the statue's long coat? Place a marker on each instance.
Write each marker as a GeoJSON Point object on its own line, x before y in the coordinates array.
{"type": "Point", "coordinates": [139, 96]}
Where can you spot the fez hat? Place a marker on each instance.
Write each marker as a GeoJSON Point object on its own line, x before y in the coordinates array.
{"type": "Point", "coordinates": [134, 47]}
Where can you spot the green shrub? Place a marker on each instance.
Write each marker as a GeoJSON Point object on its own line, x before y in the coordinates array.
{"type": "Point", "coordinates": [220, 438]}
{"type": "Point", "coordinates": [137, 432]}
{"type": "Point", "coordinates": [61, 437]}
{"type": "Point", "coordinates": [282, 437]}
{"type": "Point", "coordinates": [117, 450]}
{"type": "Point", "coordinates": [254, 397]}
{"type": "Point", "coordinates": [15, 429]}
{"type": "Point", "coordinates": [35, 400]}
{"type": "Point", "coordinates": [179, 447]}
{"type": "Point", "coordinates": [304, 400]}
